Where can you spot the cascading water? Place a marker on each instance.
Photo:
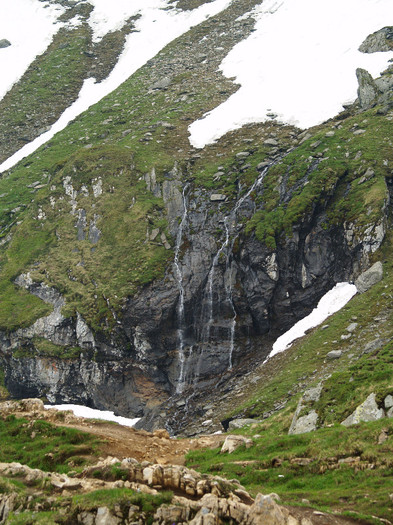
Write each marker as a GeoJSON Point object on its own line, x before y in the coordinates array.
{"type": "Point", "coordinates": [227, 249]}
{"type": "Point", "coordinates": [203, 336]}
{"type": "Point", "coordinates": [180, 305]}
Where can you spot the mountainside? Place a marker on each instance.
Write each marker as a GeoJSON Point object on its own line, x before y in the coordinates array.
{"type": "Point", "coordinates": [181, 183]}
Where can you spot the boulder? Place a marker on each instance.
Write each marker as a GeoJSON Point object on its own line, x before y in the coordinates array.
{"type": "Point", "coordinates": [367, 411]}
{"type": "Point", "coordinates": [232, 443]}
{"type": "Point", "coordinates": [334, 354]}
{"type": "Point", "coordinates": [388, 402]}
{"type": "Point", "coordinates": [370, 277]}
{"type": "Point", "coordinates": [4, 43]}
{"type": "Point", "coordinates": [161, 84]}
{"type": "Point", "coordinates": [265, 511]}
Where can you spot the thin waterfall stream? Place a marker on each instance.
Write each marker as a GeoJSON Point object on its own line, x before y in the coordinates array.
{"type": "Point", "coordinates": [226, 248]}
{"type": "Point", "coordinates": [207, 314]}
{"type": "Point", "coordinates": [180, 305]}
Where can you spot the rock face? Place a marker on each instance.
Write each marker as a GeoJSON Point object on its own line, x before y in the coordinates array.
{"type": "Point", "coordinates": [367, 411]}
{"type": "Point", "coordinates": [229, 299]}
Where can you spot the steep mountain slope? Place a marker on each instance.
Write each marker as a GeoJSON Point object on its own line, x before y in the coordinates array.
{"type": "Point", "coordinates": [137, 269]}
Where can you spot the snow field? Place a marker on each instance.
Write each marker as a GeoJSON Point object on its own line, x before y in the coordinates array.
{"type": "Point", "coordinates": [156, 28]}
{"type": "Point", "coordinates": [299, 64]}
{"type": "Point", "coordinates": [330, 303]}
{"type": "Point", "coordinates": [30, 26]}
{"type": "Point", "coordinates": [90, 413]}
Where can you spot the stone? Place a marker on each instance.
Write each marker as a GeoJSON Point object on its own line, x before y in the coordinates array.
{"type": "Point", "coordinates": [242, 154]}
{"type": "Point", "coordinates": [313, 394]}
{"type": "Point", "coordinates": [161, 84]}
{"type": "Point", "coordinates": [270, 142]}
{"type": "Point", "coordinates": [367, 411]}
{"type": "Point", "coordinates": [239, 423]}
{"type": "Point", "coordinates": [388, 401]}
{"type": "Point", "coordinates": [232, 443]}
{"type": "Point", "coordinates": [104, 517]}
{"type": "Point", "coordinates": [304, 424]}
{"type": "Point", "coordinates": [373, 345]}
{"type": "Point", "coordinates": [218, 197]}
{"type": "Point", "coordinates": [262, 165]}
{"type": "Point", "coordinates": [370, 277]}
{"type": "Point", "coordinates": [334, 354]}
{"type": "Point", "coordinates": [154, 234]}
{"type": "Point", "coordinates": [4, 43]}
{"type": "Point", "coordinates": [383, 436]}
{"type": "Point", "coordinates": [161, 433]}
{"type": "Point", "coordinates": [389, 413]}
{"type": "Point", "coordinates": [330, 134]}
{"type": "Point", "coordinates": [266, 511]}
{"type": "Point", "coordinates": [352, 327]}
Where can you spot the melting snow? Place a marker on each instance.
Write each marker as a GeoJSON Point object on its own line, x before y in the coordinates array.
{"type": "Point", "coordinates": [330, 303]}
{"type": "Point", "coordinates": [299, 64]}
{"type": "Point", "coordinates": [156, 27]}
{"type": "Point", "coordinates": [29, 25]}
{"type": "Point", "coordinates": [90, 413]}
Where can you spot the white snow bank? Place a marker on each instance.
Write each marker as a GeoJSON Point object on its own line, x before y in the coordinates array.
{"type": "Point", "coordinates": [156, 28]}
{"type": "Point", "coordinates": [299, 64]}
{"type": "Point", "coordinates": [330, 303]}
{"type": "Point", "coordinates": [30, 26]}
{"type": "Point", "coordinates": [90, 413]}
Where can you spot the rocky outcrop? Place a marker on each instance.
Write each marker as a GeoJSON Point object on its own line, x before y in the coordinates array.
{"type": "Point", "coordinates": [381, 40]}
{"type": "Point", "coordinates": [200, 500]}
{"type": "Point", "coordinates": [372, 92]}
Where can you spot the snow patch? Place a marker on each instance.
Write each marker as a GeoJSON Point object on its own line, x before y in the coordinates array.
{"type": "Point", "coordinates": [30, 26]}
{"type": "Point", "coordinates": [90, 413]}
{"type": "Point", "coordinates": [298, 64]}
{"type": "Point", "coordinates": [156, 28]}
{"type": "Point", "coordinates": [330, 303]}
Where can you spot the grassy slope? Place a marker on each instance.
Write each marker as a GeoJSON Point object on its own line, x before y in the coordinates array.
{"type": "Point", "coordinates": [42, 445]}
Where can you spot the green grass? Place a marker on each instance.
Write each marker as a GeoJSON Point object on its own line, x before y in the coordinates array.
{"type": "Point", "coordinates": [110, 497]}
{"type": "Point", "coordinates": [42, 445]}
{"type": "Point", "coordinates": [339, 489]}
{"type": "Point", "coordinates": [335, 183]}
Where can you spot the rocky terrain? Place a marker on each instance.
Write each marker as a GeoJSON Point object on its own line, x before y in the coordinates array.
{"type": "Point", "coordinates": [123, 490]}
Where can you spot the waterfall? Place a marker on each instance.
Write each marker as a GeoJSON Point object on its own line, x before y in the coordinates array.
{"type": "Point", "coordinates": [226, 248]}
{"type": "Point", "coordinates": [180, 304]}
